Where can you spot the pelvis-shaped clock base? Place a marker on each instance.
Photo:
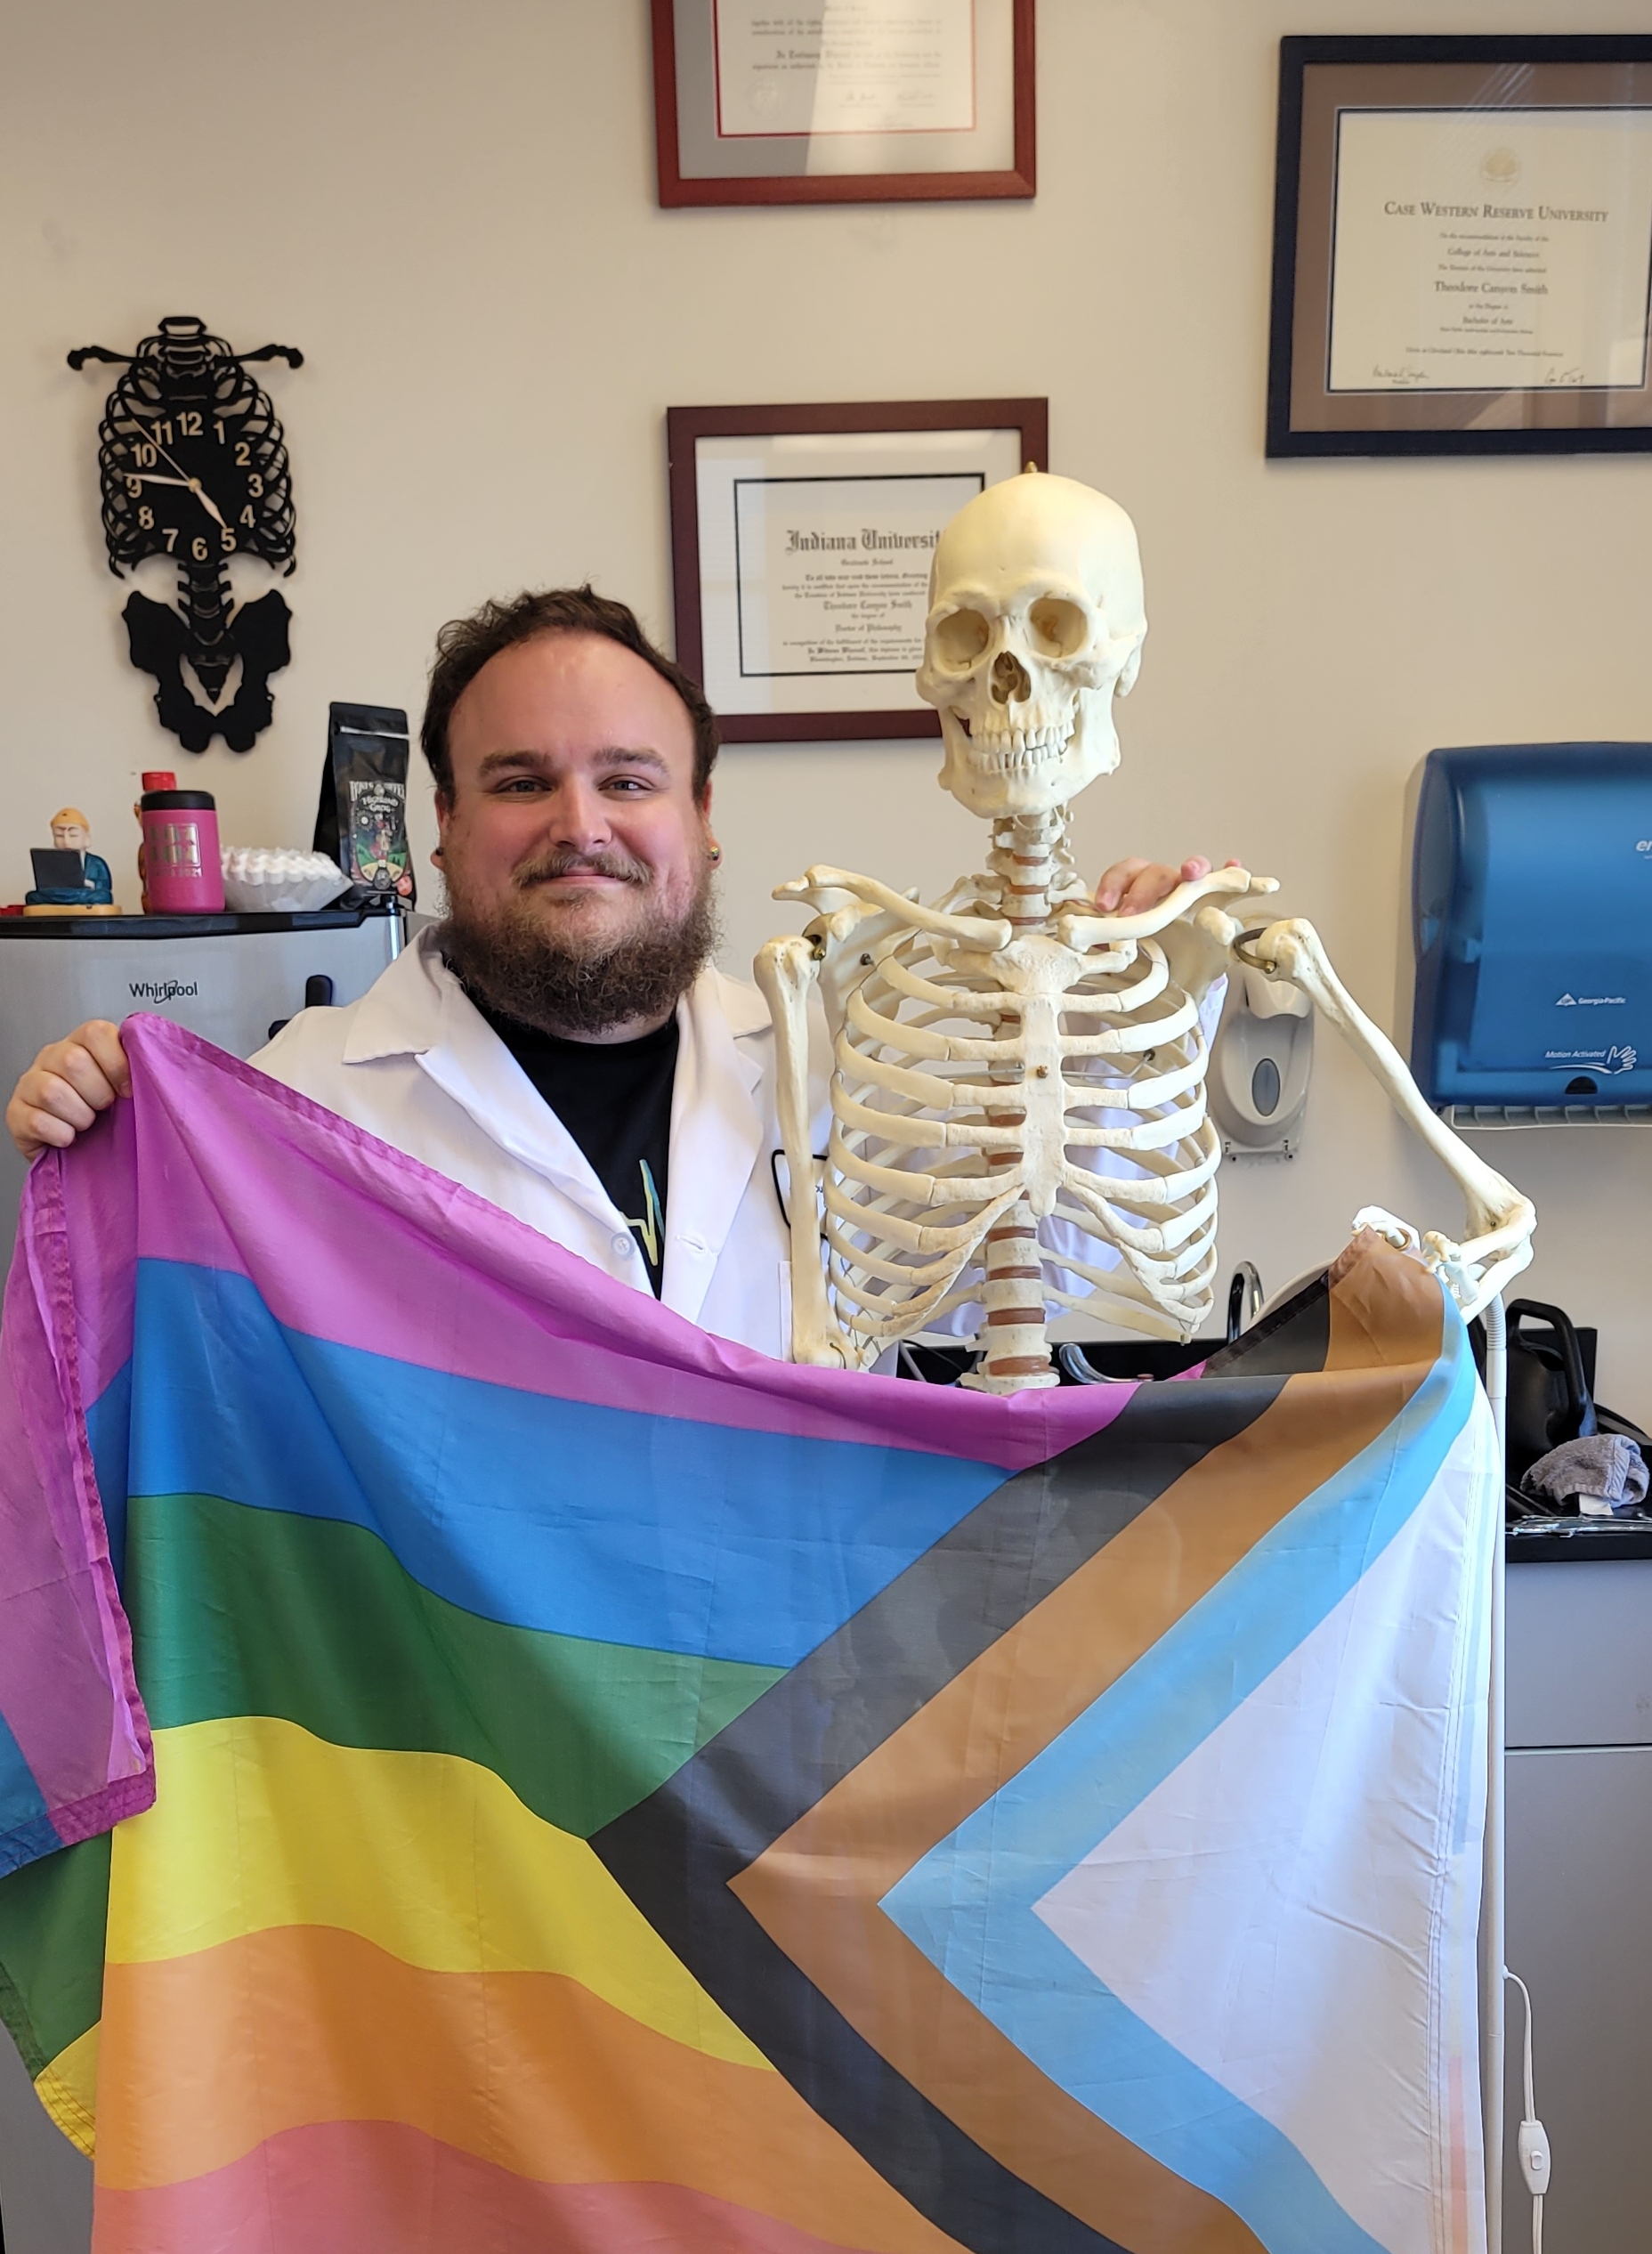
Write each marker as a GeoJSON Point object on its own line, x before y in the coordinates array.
{"type": "Point", "coordinates": [256, 633]}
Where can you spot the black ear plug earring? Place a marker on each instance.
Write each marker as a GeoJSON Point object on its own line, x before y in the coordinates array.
{"type": "Point", "coordinates": [716, 853]}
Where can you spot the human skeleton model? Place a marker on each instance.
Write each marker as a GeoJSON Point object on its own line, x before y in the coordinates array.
{"type": "Point", "coordinates": [1018, 1092]}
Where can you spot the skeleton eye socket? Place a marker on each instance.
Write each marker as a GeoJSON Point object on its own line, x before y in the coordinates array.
{"type": "Point", "coordinates": [960, 638]}
{"type": "Point", "coordinates": [1059, 628]}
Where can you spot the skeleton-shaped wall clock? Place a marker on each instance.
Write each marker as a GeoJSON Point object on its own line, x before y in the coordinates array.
{"type": "Point", "coordinates": [1017, 1098]}
{"type": "Point", "coordinates": [193, 467]}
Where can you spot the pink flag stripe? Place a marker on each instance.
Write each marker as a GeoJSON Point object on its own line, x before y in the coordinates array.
{"type": "Point", "coordinates": [66, 1688]}
{"type": "Point", "coordinates": [379, 2187]}
{"type": "Point", "coordinates": [227, 1158]}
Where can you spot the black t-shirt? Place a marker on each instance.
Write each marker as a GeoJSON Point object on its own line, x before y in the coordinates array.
{"type": "Point", "coordinates": [614, 1098]}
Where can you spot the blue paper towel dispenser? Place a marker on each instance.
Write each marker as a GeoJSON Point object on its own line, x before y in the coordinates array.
{"type": "Point", "coordinates": [1532, 924]}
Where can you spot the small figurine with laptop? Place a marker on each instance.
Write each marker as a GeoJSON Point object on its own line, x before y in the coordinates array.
{"type": "Point", "coordinates": [69, 881]}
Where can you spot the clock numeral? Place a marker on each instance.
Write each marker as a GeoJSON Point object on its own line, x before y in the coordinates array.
{"type": "Point", "coordinates": [189, 424]}
{"type": "Point", "coordinates": [169, 532]}
{"type": "Point", "coordinates": [217, 423]}
{"type": "Point", "coordinates": [134, 486]}
{"type": "Point", "coordinates": [146, 520]}
{"type": "Point", "coordinates": [247, 515]}
{"type": "Point", "coordinates": [254, 486]}
{"type": "Point", "coordinates": [163, 432]}
{"type": "Point", "coordinates": [144, 456]}
{"type": "Point", "coordinates": [226, 540]}
{"type": "Point", "coordinates": [197, 549]}
{"type": "Point", "coordinates": [243, 453]}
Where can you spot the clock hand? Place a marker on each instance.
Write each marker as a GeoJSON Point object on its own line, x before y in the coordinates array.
{"type": "Point", "coordinates": [194, 483]}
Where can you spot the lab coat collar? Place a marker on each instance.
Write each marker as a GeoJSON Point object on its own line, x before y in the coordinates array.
{"type": "Point", "coordinates": [716, 1129]}
{"type": "Point", "coordinates": [418, 1008]}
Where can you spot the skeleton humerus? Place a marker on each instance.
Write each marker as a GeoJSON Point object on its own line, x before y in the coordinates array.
{"type": "Point", "coordinates": [1019, 1112]}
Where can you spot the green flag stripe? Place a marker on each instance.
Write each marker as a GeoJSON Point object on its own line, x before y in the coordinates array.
{"type": "Point", "coordinates": [53, 1917]}
{"type": "Point", "coordinates": [267, 1612]}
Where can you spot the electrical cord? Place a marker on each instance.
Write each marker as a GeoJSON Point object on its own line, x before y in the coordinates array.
{"type": "Point", "coordinates": [1532, 2144]}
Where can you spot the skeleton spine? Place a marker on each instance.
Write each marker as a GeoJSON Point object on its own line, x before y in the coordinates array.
{"type": "Point", "coordinates": [1029, 858]}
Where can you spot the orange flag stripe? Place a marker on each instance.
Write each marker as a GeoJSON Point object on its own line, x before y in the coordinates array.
{"type": "Point", "coordinates": [216, 2052]}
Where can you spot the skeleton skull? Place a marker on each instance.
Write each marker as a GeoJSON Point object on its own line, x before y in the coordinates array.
{"type": "Point", "coordinates": [1035, 622]}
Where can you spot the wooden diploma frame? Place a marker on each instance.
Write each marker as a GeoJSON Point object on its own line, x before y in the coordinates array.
{"type": "Point", "coordinates": [801, 540]}
{"type": "Point", "coordinates": [843, 102]}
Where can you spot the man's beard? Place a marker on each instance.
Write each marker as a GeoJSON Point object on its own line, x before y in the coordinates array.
{"type": "Point", "coordinates": [569, 985]}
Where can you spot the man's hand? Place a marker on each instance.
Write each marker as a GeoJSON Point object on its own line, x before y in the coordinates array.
{"type": "Point", "coordinates": [70, 1082]}
{"type": "Point", "coordinates": [1133, 886]}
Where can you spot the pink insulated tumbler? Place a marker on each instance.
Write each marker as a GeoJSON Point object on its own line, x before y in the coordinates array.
{"type": "Point", "coordinates": [181, 868]}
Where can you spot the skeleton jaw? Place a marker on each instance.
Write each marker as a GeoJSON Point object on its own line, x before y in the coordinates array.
{"type": "Point", "coordinates": [994, 767]}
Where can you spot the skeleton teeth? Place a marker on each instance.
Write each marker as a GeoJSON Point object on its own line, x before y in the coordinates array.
{"type": "Point", "coordinates": [1024, 750]}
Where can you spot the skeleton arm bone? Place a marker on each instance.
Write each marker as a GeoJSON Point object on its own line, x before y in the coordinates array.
{"type": "Point", "coordinates": [1500, 1221]}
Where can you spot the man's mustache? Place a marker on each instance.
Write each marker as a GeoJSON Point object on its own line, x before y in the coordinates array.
{"type": "Point", "coordinates": [566, 863]}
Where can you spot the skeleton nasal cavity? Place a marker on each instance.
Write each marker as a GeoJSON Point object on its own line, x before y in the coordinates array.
{"type": "Point", "coordinates": [1011, 682]}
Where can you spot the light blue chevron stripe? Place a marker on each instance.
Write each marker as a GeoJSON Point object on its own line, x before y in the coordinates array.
{"type": "Point", "coordinates": [970, 1904]}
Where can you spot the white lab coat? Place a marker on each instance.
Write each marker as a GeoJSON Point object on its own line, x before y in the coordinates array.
{"type": "Point", "coordinates": [414, 1063]}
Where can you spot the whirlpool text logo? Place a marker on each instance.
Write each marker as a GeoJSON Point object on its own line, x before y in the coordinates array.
{"type": "Point", "coordinates": [159, 990]}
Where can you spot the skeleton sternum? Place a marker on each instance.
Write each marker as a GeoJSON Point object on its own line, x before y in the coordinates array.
{"type": "Point", "coordinates": [1024, 855]}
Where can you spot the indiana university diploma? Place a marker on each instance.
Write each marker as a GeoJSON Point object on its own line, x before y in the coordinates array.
{"type": "Point", "coordinates": [1491, 250]}
{"type": "Point", "coordinates": [833, 573]}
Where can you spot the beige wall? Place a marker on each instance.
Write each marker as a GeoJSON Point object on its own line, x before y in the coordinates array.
{"type": "Point", "coordinates": [452, 212]}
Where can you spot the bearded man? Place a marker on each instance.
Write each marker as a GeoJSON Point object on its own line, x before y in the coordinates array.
{"type": "Point", "coordinates": [562, 1045]}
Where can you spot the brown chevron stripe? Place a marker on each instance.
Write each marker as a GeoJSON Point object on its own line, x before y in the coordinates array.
{"type": "Point", "coordinates": [816, 1890]}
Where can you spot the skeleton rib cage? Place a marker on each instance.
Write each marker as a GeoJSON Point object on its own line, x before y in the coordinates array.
{"type": "Point", "coordinates": [966, 1083]}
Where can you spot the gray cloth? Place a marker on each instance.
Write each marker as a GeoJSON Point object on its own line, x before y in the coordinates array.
{"type": "Point", "coordinates": [1607, 1473]}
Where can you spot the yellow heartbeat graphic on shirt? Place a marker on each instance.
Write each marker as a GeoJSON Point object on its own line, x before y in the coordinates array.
{"type": "Point", "coordinates": [651, 1227]}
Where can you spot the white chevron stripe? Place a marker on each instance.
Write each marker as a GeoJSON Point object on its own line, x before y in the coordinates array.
{"type": "Point", "coordinates": [1279, 1908]}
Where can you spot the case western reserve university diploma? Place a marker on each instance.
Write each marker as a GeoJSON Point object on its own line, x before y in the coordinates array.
{"type": "Point", "coordinates": [1491, 250]}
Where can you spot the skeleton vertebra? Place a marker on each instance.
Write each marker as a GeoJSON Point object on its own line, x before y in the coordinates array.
{"type": "Point", "coordinates": [1018, 1100]}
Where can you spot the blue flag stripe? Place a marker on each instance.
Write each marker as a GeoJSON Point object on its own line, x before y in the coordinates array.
{"type": "Point", "coordinates": [538, 1513]}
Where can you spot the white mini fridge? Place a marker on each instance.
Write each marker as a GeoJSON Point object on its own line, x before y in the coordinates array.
{"type": "Point", "coordinates": [229, 978]}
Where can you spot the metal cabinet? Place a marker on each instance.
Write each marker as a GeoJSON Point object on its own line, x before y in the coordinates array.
{"type": "Point", "coordinates": [1579, 1868]}
{"type": "Point", "coordinates": [45, 2185]}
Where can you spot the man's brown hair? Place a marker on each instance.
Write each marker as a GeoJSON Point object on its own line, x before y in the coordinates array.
{"type": "Point", "coordinates": [464, 645]}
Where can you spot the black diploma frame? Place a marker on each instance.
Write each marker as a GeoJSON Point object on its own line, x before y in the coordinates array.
{"type": "Point", "coordinates": [1474, 307]}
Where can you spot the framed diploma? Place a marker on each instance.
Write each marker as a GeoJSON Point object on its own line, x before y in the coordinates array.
{"type": "Point", "coordinates": [843, 102]}
{"type": "Point", "coordinates": [800, 545]}
{"type": "Point", "coordinates": [1463, 247]}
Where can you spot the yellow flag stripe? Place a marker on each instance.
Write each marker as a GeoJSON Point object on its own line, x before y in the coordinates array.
{"type": "Point", "coordinates": [258, 1824]}
{"type": "Point", "coordinates": [67, 2088]}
